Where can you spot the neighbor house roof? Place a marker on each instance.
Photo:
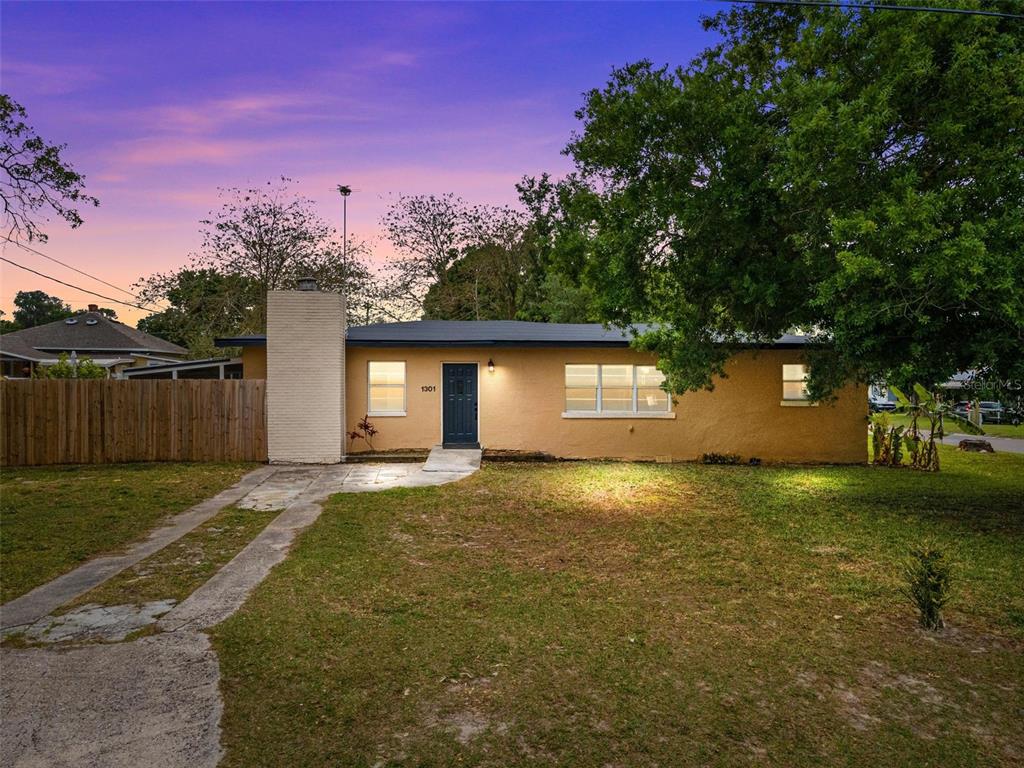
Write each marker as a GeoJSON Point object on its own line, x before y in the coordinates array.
{"type": "Point", "coordinates": [85, 332]}
{"type": "Point", "coordinates": [482, 333]}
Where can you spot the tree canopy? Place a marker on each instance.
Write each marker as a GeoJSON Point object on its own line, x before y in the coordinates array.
{"type": "Point", "coordinates": [260, 239]}
{"type": "Point", "coordinates": [857, 175]}
{"type": "Point", "coordinates": [458, 261]}
{"type": "Point", "coordinates": [35, 178]}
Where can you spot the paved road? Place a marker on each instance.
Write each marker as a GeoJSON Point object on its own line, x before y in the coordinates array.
{"type": "Point", "coordinates": [1000, 444]}
{"type": "Point", "coordinates": [156, 701]}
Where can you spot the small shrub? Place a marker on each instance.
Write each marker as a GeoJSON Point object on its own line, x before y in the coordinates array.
{"type": "Point", "coordinates": [64, 368]}
{"type": "Point", "coordinates": [364, 431]}
{"type": "Point", "coordinates": [927, 574]}
{"type": "Point", "coordinates": [720, 458]}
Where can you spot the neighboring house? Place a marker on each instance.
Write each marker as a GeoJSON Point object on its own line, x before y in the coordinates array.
{"type": "Point", "coordinates": [111, 344]}
{"type": "Point", "coordinates": [211, 368]}
{"type": "Point", "coordinates": [573, 391]}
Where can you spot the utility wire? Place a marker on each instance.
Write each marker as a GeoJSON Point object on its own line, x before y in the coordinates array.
{"type": "Point", "coordinates": [77, 288]}
{"type": "Point", "coordinates": [881, 7]}
{"type": "Point", "coordinates": [74, 269]}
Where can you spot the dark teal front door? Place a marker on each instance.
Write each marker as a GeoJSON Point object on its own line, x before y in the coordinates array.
{"type": "Point", "coordinates": [460, 407]}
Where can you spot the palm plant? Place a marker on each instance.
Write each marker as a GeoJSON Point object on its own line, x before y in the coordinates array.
{"type": "Point", "coordinates": [925, 406]}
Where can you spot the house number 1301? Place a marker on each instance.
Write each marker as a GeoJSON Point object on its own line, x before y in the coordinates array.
{"type": "Point", "coordinates": [428, 388]}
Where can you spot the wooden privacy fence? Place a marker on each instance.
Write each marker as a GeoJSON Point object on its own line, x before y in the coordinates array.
{"type": "Point", "coordinates": [107, 421]}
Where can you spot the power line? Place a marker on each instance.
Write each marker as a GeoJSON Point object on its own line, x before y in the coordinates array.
{"type": "Point", "coordinates": [78, 288]}
{"type": "Point", "coordinates": [74, 269]}
{"type": "Point", "coordinates": [880, 7]}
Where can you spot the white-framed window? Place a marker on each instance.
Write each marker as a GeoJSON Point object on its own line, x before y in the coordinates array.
{"type": "Point", "coordinates": [386, 396]}
{"type": "Point", "coordinates": [794, 383]}
{"type": "Point", "coordinates": [615, 390]}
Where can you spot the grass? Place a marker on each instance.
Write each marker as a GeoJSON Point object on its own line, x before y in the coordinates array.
{"type": "Point", "coordinates": [176, 571]}
{"type": "Point", "coordinates": [1004, 430]}
{"type": "Point", "coordinates": [615, 614]}
{"type": "Point", "coordinates": [54, 518]}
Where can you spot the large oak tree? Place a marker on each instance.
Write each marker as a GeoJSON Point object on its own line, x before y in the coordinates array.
{"type": "Point", "coordinates": [855, 174]}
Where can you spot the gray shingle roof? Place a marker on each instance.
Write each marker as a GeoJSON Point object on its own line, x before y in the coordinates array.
{"type": "Point", "coordinates": [508, 333]}
{"type": "Point", "coordinates": [92, 332]}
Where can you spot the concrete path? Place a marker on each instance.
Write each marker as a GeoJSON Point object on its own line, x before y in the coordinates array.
{"type": "Point", "coordinates": [48, 597]}
{"type": "Point", "coordinates": [1001, 444]}
{"type": "Point", "coordinates": [453, 459]}
{"type": "Point", "coordinates": [156, 701]}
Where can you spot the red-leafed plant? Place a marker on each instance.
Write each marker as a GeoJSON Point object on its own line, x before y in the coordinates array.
{"type": "Point", "coordinates": [364, 431]}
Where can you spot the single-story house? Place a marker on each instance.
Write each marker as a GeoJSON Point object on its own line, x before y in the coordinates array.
{"type": "Point", "coordinates": [572, 391]}
{"type": "Point", "coordinates": [209, 368]}
{"type": "Point", "coordinates": [109, 343]}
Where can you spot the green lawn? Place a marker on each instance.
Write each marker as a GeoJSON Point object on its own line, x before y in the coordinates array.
{"type": "Point", "coordinates": [612, 614]}
{"type": "Point", "coordinates": [1004, 430]}
{"type": "Point", "coordinates": [53, 518]}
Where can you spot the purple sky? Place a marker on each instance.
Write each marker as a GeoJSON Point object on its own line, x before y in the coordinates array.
{"type": "Point", "coordinates": [162, 103]}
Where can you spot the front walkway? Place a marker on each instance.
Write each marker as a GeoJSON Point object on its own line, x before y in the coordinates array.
{"type": "Point", "coordinates": [156, 701]}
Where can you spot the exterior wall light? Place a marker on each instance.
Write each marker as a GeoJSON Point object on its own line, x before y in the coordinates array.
{"type": "Point", "coordinates": [490, 366]}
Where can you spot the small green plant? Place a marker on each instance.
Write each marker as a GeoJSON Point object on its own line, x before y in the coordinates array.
{"type": "Point", "coordinates": [364, 431]}
{"type": "Point", "coordinates": [927, 576]}
{"type": "Point", "coordinates": [720, 458]}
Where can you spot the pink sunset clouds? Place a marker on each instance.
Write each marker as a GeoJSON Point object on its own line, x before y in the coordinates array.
{"type": "Point", "coordinates": [162, 104]}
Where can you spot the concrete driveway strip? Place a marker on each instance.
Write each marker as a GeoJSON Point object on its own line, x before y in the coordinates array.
{"type": "Point", "coordinates": [46, 598]}
{"type": "Point", "coordinates": [156, 701]}
{"type": "Point", "coordinates": [229, 588]}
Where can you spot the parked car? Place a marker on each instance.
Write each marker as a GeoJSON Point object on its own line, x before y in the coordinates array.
{"type": "Point", "coordinates": [962, 408]}
{"type": "Point", "coordinates": [991, 412]}
{"type": "Point", "coordinates": [878, 404]}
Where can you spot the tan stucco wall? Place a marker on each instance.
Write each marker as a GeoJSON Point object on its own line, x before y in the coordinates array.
{"type": "Point", "coordinates": [522, 401]}
{"type": "Point", "coordinates": [254, 362]}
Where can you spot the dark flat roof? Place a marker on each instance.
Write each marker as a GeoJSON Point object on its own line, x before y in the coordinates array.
{"type": "Point", "coordinates": [208, 362]}
{"type": "Point", "coordinates": [486, 333]}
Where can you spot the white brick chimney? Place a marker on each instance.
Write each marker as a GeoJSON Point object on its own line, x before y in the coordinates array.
{"type": "Point", "coordinates": [305, 376]}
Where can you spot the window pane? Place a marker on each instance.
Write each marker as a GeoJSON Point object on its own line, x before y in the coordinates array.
{"type": "Point", "coordinates": [649, 399]}
{"type": "Point", "coordinates": [649, 376]}
{"type": "Point", "coordinates": [613, 376]}
{"type": "Point", "coordinates": [387, 373]}
{"type": "Point", "coordinates": [581, 387]}
{"type": "Point", "coordinates": [794, 372]}
{"type": "Point", "coordinates": [794, 390]}
{"type": "Point", "coordinates": [387, 398]}
{"type": "Point", "coordinates": [387, 387]}
{"type": "Point", "coordinates": [616, 398]}
{"type": "Point", "coordinates": [581, 376]}
{"type": "Point", "coordinates": [579, 399]}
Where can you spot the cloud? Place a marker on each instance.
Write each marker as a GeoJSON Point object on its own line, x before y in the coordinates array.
{"type": "Point", "coordinates": [181, 150]}
{"type": "Point", "coordinates": [46, 79]}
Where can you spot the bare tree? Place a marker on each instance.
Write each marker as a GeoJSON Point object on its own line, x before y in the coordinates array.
{"type": "Point", "coordinates": [34, 177]}
{"type": "Point", "coordinates": [432, 234]}
{"type": "Point", "coordinates": [261, 239]}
